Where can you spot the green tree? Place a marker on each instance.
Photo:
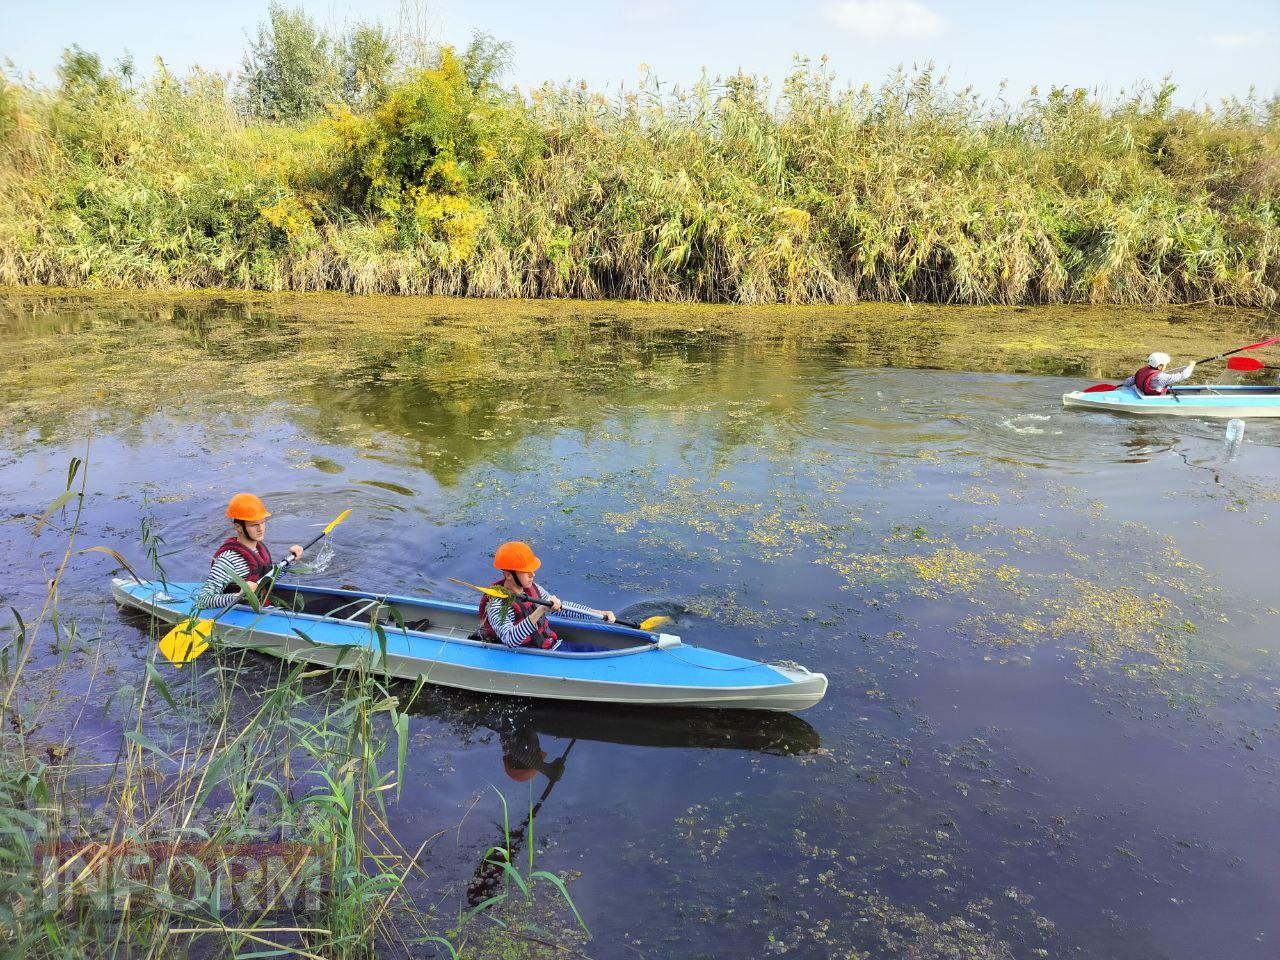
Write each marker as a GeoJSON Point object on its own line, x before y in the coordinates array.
{"type": "Point", "coordinates": [485, 61]}
{"type": "Point", "coordinates": [291, 70]}
{"type": "Point", "coordinates": [369, 66]}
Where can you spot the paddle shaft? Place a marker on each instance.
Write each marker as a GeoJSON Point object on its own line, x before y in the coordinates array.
{"type": "Point", "coordinates": [547, 792]}
{"type": "Point", "coordinates": [1252, 346]}
{"type": "Point", "coordinates": [544, 603]}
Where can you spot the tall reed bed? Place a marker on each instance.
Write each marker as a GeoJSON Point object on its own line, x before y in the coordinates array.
{"type": "Point", "coordinates": [729, 191]}
{"type": "Point", "coordinates": [233, 819]}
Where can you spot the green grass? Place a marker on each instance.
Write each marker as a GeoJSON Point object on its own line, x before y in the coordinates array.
{"type": "Point", "coordinates": [729, 191]}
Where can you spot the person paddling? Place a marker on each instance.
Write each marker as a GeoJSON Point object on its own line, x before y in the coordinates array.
{"type": "Point", "coordinates": [521, 623]}
{"type": "Point", "coordinates": [1154, 380]}
{"type": "Point", "coordinates": [244, 555]}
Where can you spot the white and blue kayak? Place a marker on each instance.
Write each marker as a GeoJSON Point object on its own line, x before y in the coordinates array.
{"type": "Point", "coordinates": [1199, 401]}
{"type": "Point", "coordinates": [437, 640]}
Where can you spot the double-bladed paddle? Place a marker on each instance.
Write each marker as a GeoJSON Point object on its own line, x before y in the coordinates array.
{"type": "Point", "coordinates": [190, 638]}
{"type": "Point", "coordinates": [502, 593]}
{"type": "Point", "coordinates": [1103, 387]}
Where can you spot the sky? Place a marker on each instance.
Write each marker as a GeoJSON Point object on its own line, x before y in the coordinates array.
{"type": "Point", "coordinates": [1211, 50]}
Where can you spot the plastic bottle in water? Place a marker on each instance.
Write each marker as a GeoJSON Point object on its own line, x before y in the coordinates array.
{"type": "Point", "coordinates": [1235, 434]}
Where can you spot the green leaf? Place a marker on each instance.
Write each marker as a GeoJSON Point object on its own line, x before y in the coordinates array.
{"type": "Point", "coordinates": [160, 685]}
{"type": "Point", "coordinates": [453, 953]}
{"type": "Point", "coordinates": [59, 502]}
{"type": "Point", "coordinates": [402, 748]}
{"type": "Point", "coordinates": [564, 892]}
{"type": "Point", "coordinates": [480, 908]}
{"type": "Point", "coordinates": [142, 740]}
{"type": "Point", "coordinates": [213, 776]}
{"type": "Point", "coordinates": [513, 873]}
{"type": "Point", "coordinates": [250, 596]}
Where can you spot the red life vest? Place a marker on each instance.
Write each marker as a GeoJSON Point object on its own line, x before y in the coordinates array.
{"type": "Point", "coordinates": [259, 560]}
{"type": "Point", "coordinates": [1142, 380]}
{"type": "Point", "coordinates": [542, 637]}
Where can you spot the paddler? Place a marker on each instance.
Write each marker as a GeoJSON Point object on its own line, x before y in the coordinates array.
{"type": "Point", "coordinates": [1154, 380]}
{"type": "Point", "coordinates": [244, 555]}
{"type": "Point", "coordinates": [520, 623]}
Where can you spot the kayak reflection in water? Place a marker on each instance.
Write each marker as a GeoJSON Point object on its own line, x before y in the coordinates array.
{"type": "Point", "coordinates": [244, 555]}
{"type": "Point", "coordinates": [520, 621]}
{"type": "Point", "coordinates": [523, 759]}
{"type": "Point", "coordinates": [1154, 380]}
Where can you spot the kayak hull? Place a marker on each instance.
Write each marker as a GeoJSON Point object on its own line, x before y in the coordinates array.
{"type": "Point", "coordinates": [1227, 402]}
{"type": "Point", "coordinates": [435, 643]}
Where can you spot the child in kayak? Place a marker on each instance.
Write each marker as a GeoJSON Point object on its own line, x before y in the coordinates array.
{"type": "Point", "coordinates": [520, 623]}
{"type": "Point", "coordinates": [244, 555]}
{"type": "Point", "coordinates": [1153, 380]}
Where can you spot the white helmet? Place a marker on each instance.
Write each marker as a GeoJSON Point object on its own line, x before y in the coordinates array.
{"type": "Point", "coordinates": [1158, 359]}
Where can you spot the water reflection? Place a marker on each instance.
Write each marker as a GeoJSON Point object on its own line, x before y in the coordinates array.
{"type": "Point", "coordinates": [537, 738]}
{"type": "Point", "coordinates": [522, 725]}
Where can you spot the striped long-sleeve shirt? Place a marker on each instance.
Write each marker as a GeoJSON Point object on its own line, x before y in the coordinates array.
{"type": "Point", "coordinates": [211, 596]}
{"type": "Point", "coordinates": [502, 618]}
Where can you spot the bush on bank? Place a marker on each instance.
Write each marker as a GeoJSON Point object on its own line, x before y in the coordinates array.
{"type": "Point", "coordinates": [426, 176]}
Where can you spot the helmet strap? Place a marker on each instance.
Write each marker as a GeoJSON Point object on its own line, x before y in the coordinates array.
{"type": "Point", "coordinates": [244, 531]}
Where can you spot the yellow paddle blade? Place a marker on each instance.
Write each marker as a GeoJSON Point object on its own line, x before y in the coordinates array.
{"type": "Point", "coordinates": [496, 592]}
{"type": "Point", "coordinates": [186, 641]}
{"type": "Point", "coordinates": [652, 622]}
{"type": "Point", "coordinates": [337, 520]}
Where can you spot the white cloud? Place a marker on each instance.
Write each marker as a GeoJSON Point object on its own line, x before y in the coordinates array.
{"type": "Point", "coordinates": [881, 19]}
{"type": "Point", "coordinates": [1253, 38]}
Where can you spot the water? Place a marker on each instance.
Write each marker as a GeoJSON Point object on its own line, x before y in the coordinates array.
{"type": "Point", "coordinates": [1051, 636]}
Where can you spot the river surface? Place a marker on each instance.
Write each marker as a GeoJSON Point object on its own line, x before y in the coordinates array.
{"type": "Point", "coordinates": [1052, 637]}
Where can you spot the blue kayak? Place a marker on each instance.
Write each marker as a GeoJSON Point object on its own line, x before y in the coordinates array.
{"type": "Point", "coordinates": [437, 639]}
{"type": "Point", "coordinates": [1200, 401]}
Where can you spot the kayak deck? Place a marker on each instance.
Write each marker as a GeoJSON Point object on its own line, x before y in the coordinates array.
{"type": "Point", "coordinates": [1207, 400]}
{"type": "Point", "coordinates": [434, 639]}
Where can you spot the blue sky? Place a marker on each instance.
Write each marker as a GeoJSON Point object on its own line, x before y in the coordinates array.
{"type": "Point", "coordinates": [1212, 50]}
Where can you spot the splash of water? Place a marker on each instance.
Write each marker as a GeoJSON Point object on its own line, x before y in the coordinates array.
{"type": "Point", "coordinates": [320, 562]}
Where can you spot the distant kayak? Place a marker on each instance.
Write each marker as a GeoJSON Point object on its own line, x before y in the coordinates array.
{"type": "Point", "coordinates": [1199, 401]}
{"type": "Point", "coordinates": [333, 628]}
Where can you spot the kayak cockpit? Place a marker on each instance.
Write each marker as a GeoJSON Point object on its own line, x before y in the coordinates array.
{"type": "Point", "coordinates": [439, 619]}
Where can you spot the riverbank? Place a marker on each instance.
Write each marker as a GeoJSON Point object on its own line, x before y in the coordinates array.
{"type": "Point", "coordinates": [444, 182]}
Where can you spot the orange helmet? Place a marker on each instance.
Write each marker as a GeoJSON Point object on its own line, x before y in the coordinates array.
{"type": "Point", "coordinates": [247, 507]}
{"type": "Point", "coordinates": [516, 556]}
{"type": "Point", "coordinates": [520, 769]}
